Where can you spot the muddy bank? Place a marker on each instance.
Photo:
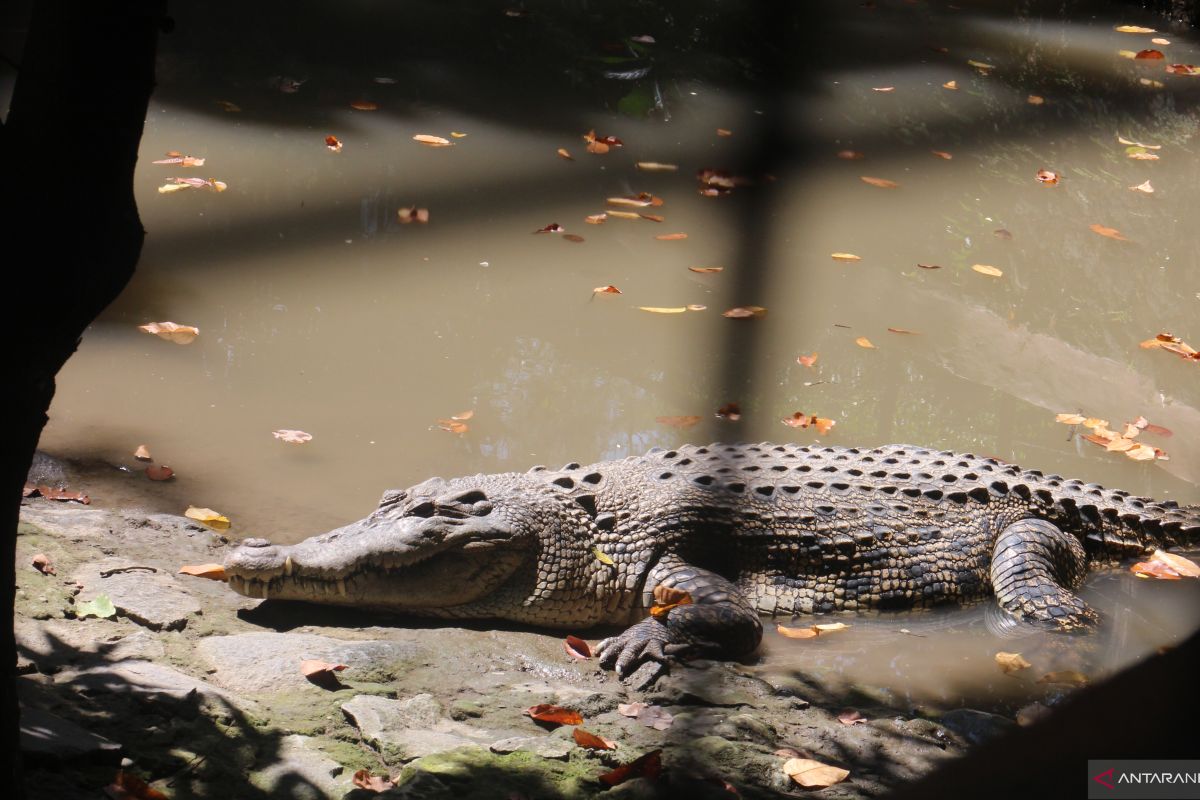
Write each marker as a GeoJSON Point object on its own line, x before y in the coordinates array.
{"type": "Point", "coordinates": [199, 691]}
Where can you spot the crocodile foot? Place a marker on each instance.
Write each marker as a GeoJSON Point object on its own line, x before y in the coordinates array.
{"type": "Point", "coordinates": [649, 641]}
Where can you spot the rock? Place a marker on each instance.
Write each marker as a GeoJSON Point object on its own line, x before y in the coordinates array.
{"type": "Point", "coordinates": [754, 729]}
{"type": "Point", "coordinates": [258, 662]}
{"type": "Point", "coordinates": [45, 736]}
{"type": "Point", "coordinates": [406, 729]}
{"type": "Point", "coordinates": [465, 709]}
{"type": "Point", "coordinates": [150, 598]}
{"type": "Point", "coordinates": [710, 684]}
{"type": "Point", "coordinates": [588, 702]}
{"type": "Point", "coordinates": [155, 683]}
{"type": "Point", "coordinates": [302, 772]}
{"type": "Point", "coordinates": [54, 643]}
{"type": "Point", "coordinates": [976, 726]}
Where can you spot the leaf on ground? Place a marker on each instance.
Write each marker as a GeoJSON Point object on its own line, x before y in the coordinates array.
{"type": "Point", "coordinates": [1011, 662]}
{"type": "Point", "coordinates": [852, 716]}
{"type": "Point", "coordinates": [864, 342]}
{"type": "Point", "coordinates": [101, 606]}
{"type": "Point", "coordinates": [655, 717]}
{"type": "Point", "coordinates": [577, 648]}
{"type": "Point", "coordinates": [171, 331]}
{"type": "Point", "coordinates": [730, 411]}
{"type": "Point", "coordinates": [212, 519]}
{"type": "Point", "coordinates": [850, 155]}
{"type": "Point", "coordinates": [1068, 676]}
{"type": "Point", "coordinates": [28, 490]}
{"type": "Point", "coordinates": [142, 453]}
{"type": "Point", "coordinates": [807, 361]}
{"type": "Point", "coordinates": [591, 741]}
{"type": "Point", "coordinates": [610, 289]}
{"type": "Point", "coordinates": [1144, 187]}
{"type": "Point", "coordinates": [845, 257]}
{"type": "Point", "coordinates": [554, 715]}
{"type": "Point", "coordinates": [311, 667]}
{"type": "Point", "coordinates": [882, 183]}
{"type": "Point", "coordinates": [412, 214]}
{"type": "Point", "coordinates": [41, 562]}
{"type": "Point", "coordinates": [565, 154]}
{"type": "Point", "coordinates": [363, 779]}
{"type": "Point", "coordinates": [333, 143]}
{"type": "Point", "coordinates": [648, 766]}
{"type": "Point", "coordinates": [667, 598]}
{"type": "Point", "coordinates": [813, 774]}
{"type": "Point", "coordinates": [160, 472]}
{"type": "Point", "coordinates": [987, 269]}
{"type": "Point", "coordinates": [655, 166]}
{"type": "Point", "coordinates": [1111, 233]}
{"type": "Point", "coordinates": [126, 786]}
{"type": "Point", "coordinates": [663, 309]}
{"type": "Point", "coordinates": [429, 140]}
{"type": "Point", "coordinates": [293, 437]}
{"type": "Point", "coordinates": [1048, 177]}
{"type": "Point", "coordinates": [683, 423]}
{"type": "Point", "coordinates": [745, 312]}
{"type": "Point", "coordinates": [801, 420]}
{"type": "Point", "coordinates": [64, 495]}
{"type": "Point", "coordinates": [631, 709]}
{"type": "Point", "coordinates": [671, 237]}
{"type": "Point", "coordinates": [214, 572]}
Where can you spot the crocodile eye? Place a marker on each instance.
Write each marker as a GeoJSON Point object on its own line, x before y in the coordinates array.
{"type": "Point", "coordinates": [425, 509]}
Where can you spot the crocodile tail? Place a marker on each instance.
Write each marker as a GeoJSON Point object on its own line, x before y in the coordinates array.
{"type": "Point", "coordinates": [1158, 524]}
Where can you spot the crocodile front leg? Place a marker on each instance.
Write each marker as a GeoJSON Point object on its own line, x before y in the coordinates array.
{"type": "Point", "coordinates": [719, 622]}
{"type": "Point", "coordinates": [1034, 568]}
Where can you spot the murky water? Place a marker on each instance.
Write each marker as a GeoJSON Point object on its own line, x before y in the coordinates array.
{"type": "Point", "coordinates": [320, 311]}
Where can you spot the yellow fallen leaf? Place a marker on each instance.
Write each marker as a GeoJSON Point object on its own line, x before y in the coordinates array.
{"type": "Point", "coordinates": [660, 310]}
{"type": "Point", "coordinates": [845, 257]}
{"type": "Point", "coordinates": [1011, 662]}
{"type": "Point", "coordinates": [209, 517]}
{"type": "Point", "coordinates": [214, 572]}
{"type": "Point", "coordinates": [432, 141]}
{"type": "Point", "coordinates": [1143, 187]}
{"type": "Point", "coordinates": [813, 774]}
{"type": "Point", "coordinates": [797, 633]}
{"type": "Point", "coordinates": [1184, 566]}
{"type": "Point", "coordinates": [457, 135]}
{"type": "Point", "coordinates": [1133, 29]}
{"type": "Point", "coordinates": [987, 269]}
{"type": "Point", "coordinates": [562, 153]}
{"type": "Point", "coordinates": [863, 341]}
{"type": "Point", "coordinates": [142, 453]}
{"type": "Point", "coordinates": [1070, 419]}
{"type": "Point", "coordinates": [179, 334]}
{"type": "Point", "coordinates": [654, 166]}
{"type": "Point", "coordinates": [952, 85]}
{"type": "Point", "coordinates": [830, 627]}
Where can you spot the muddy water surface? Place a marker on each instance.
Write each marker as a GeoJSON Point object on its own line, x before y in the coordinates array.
{"type": "Point", "coordinates": [320, 311]}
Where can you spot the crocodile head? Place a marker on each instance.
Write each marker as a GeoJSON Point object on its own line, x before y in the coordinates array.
{"type": "Point", "coordinates": [467, 547]}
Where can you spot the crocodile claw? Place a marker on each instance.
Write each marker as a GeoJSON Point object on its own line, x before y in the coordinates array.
{"type": "Point", "coordinates": [647, 641]}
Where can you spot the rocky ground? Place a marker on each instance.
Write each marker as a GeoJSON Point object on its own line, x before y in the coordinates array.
{"type": "Point", "coordinates": [199, 691]}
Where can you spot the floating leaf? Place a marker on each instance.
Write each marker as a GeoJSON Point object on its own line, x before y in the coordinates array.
{"type": "Point", "coordinates": [930, 266]}
{"type": "Point", "coordinates": [179, 184]}
{"type": "Point", "coordinates": [1048, 177]}
{"type": "Point", "coordinates": [813, 774]}
{"type": "Point", "coordinates": [228, 107]}
{"type": "Point", "coordinates": [127, 786]}
{"type": "Point", "coordinates": [845, 257]}
{"type": "Point", "coordinates": [142, 453]}
{"type": "Point", "coordinates": [683, 423]}
{"type": "Point", "coordinates": [882, 183]}
{"type": "Point", "coordinates": [864, 342]}
{"type": "Point", "coordinates": [452, 426]}
{"type": "Point", "coordinates": [610, 289]}
{"type": "Point", "coordinates": [653, 217]}
{"type": "Point", "coordinates": [313, 667]}
{"type": "Point", "coordinates": [1002, 233]}
{"type": "Point", "coordinates": [883, 88]}
{"type": "Point", "coordinates": [553, 227]}
{"type": "Point", "coordinates": [1069, 419]}
{"type": "Point", "coordinates": [981, 66]}
{"type": "Point", "coordinates": [1143, 187]}
{"type": "Point", "coordinates": [101, 607]}
{"type": "Point", "coordinates": [724, 132]}
{"type": "Point", "coordinates": [596, 219]}
{"type": "Point", "coordinates": [706, 270]}
{"type": "Point", "coordinates": [648, 766]}
{"type": "Point", "coordinates": [591, 741]}
{"type": "Point", "coordinates": [563, 153]}
{"type": "Point", "coordinates": [1133, 29]}
{"type": "Point", "coordinates": [1184, 69]}
{"type": "Point", "coordinates": [612, 212]}
{"type": "Point", "coordinates": [178, 159]}
{"type": "Point", "coordinates": [663, 310]}
{"type": "Point", "coordinates": [573, 237]}
{"type": "Point", "coordinates": [806, 361]}
{"type": "Point", "coordinates": [696, 307]}
{"type": "Point", "coordinates": [214, 572]}
{"type": "Point", "coordinates": [1151, 83]}
{"type": "Point", "coordinates": [671, 237]}
{"type": "Point", "coordinates": [1160, 40]}
{"type": "Point", "coordinates": [1149, 55]}
{"type": "Point", "coordinates": [554, 715]}
{"type": "Point", "coordinates": [942, 154]}
{"type": "Point", "coordinates": [850, 155]}
{"type": "Point", "coordinates": [458, 135]}
{"type": "Point", "coordinates": [745, 312]}
{"type": "Point", "coordinates": [987, 269]}
{"type": "Point", "coordinates": [801, 420]}
{"type": "Point", "coordinates": [1111, 233]}
{"type": "Point", "coordinates": [1172, 344]}
{"type": "Point", "coordinates": [1143, 145]}
{"type": "Point", "coordinates": [294, 437]}
{"type": "Point", "coordinates": [333, 143]}
{"type": "Point", "coordinates": [655, 166]}
{"type": "Point", "coordinates": [1035, 100]}
{"type": "Point", "coordinates": [54, 493]}
{"type": "Point", "coordinates": [577, 648]}
{"type": "Point", "coordinates": [160, 472]}
{"type": "Point", "coordinates": [1067, 676]}
{"type": "Point", "coordinates": [209, 517]}
{"type": "Point", "coordinates": [432, 141]}
{"type": "Point", "coordinates": [1011, 662]}
{"type": "Point", "coordinates": [364, 105]}
{"type": "Point", "coordinates": [730, 411]}
{"type": "Point", "coordinates": [412, 214]}
{"type": "Point", "coordinates": [173, 332]}
{"type": "Point", "coordinates": [951, 85]}
{"type": "Point", "coordinates": [1185, 567]}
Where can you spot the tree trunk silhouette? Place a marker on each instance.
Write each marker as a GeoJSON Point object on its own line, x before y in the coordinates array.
{"type": "Point", "coordinates": [68, 148]}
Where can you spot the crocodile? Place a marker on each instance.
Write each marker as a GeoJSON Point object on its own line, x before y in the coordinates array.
{"type": "Point", "coordinates": [743, 529]}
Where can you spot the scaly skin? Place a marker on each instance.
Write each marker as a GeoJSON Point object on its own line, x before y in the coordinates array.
{"type": "Point", "coordinates": [745, 529]}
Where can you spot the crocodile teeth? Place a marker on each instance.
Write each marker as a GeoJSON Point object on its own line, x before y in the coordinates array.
{"type": "Point", "coordinates": [288, 566]}
{"type": "Point", "coordinates": [341, 586]}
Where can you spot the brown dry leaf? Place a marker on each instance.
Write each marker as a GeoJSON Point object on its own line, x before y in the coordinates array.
{"type": "Point", "coordinates": [180, 160]}
{"type": "Point", "coordinates": [1184, 69]}
{"type": "Point", "coordinates": [653, 217]}
{"type": "Point", "coordinates": [807, 361]}
{"type": "Point", "coordinates": [903, 331]}
{"type": "Point", "coordinates": [1003, 233]}
{"type": "Point", "coordinates": [850, 155]}
{"type": "Point", "coordinates": [813, 774]}
{"type": "Point", "coordinates": [553, 227]}
{"type": "Point", "coordinates": [745, 312]}
{"type": "Point", "coordinates": [845, 257]}
{"type": "Point", "coordinates": [864, 342]}
{"type": "Point", "coordinates": [412, 214]}
{"type": "Point", "coordinates": [179, 184]}
{"type": "Point", "coordinates": [724, 132]}
{"type": "Point", "coordinates": [610, 289]}
{"type": "Point", "coordinates": [1172, 344]}
{"type": "Point", "coordinates": [292, 437]}
{"type": "Point", "coordinates": [663, 309]}
{"type": "Point", "coordinates": [1011, 662]}
{"type": "Point", "coordinates": [1149, 55]}
{"type": "Point", "coordinates": [1185, 567]}
{"type": "Point", "coordinates": [209, 517]}
{"type": "Point", "coordinates": [655, 166]}
{"type": "Point", "coordinates": [952, 85]}
{"type": "Point", "coordinates": [706, 270]}
{"type": "Point", "coordinates": [1035, 100]}
{"type": "Point", "coordinates": [1133, 29]}
{"type": "Point", "coordinates": [160, 472]}
{"type": "Point", "coordinates": [554, 715]}
{"type": "Point", "coordinates": [563, 153]}
{"type": "Point", "coordinates": [65, 495]}
{"type": "Point", "coordinates": [1048, 177]}
{"type": "Point", "coordinates": [591, 741]}
{"type": "Point", "coordinates": [214, 572]}
{"type": "Point", "coordinates": [930, 266]}
{"type": "Point", "coordinates": [671, 237]}
{"type": "Point", "coordinates": [631, 709]}
{"type": "Point", "coordinates": [987, 269]}
{"type": "Point", "coordinates": [612, 212]}
{"type": "Point", "coordinates": [852, 716]}
{"type": "Point", "coordinates": [882, 183]}
{"type": "Point", "coordinates": [730, 411]}
{"type": "Point", "coordinates": [1121, 444]}
{"type": "Point", "coordinates": [363, 779]}
{"type": "Point", "coordinates": [333, 143]}
{"type": "Point", "coordinates": [801, 420]}
{"type": "Point", "coordinates": [41, 562]}
{"type": "Point", "coordinates": [1067, 676]}
{"type": "Point", "coordinates": [573, 237]}
{"type": "Point", "coordinates": [1070, 419]}
{"type": "Point", "coordinates": [142, 453]}
{"type": "Point", "coordinates": [171, 331]}
{"type": "Point", "coordinates": [1143, 187]}
{"type": "Point", "coordinates": [364, 105]}
{"type": "Point", "coordinates": [130, 787]}
{"type": "Point", "coordinates": [942, 154]}
{"type": "Point", "coordinates": [596, 219]}
{"type": "Point", "coordinates": [1155, 569]}
{"type": "Point", "coordinates": [577, 648]}
{"type": "Point", "coordinates": [1111, 233]}
{"type": "Point", "coordinates": [683, 423]}
{"type": "Point", "coordinates": [598, 148]}
{"type": "Point", "coordinates": [311, 667]}
{"type": "Point", "coordinates": [648, 766]}
{"type": "Point", "coordinates": [430, 140]}
{"type": "Point", "coordinates": [667, 598]}
{"type": "Point", "coordinates": [883, 88]}
{"type": "Point", "coordinates": [452, 426]}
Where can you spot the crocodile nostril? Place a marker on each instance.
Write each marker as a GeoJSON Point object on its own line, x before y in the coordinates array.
{"type": "Point", "coordinates": [256, 542]}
